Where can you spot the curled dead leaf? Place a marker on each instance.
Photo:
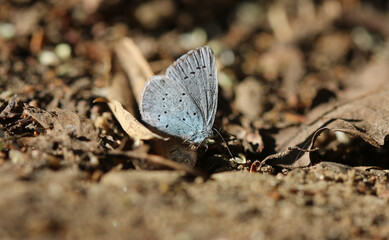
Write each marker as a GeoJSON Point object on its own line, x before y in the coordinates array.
{"type": "Point", "coordinates": [128, 122]}
{"type": "Point", "coordinates": [366, 118]}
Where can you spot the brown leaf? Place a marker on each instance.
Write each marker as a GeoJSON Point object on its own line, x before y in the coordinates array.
{"type": "Point", "coordinates": [64, 130]}
{"type": "Point", "coordinates": [13, 109]}
{"type": "Point", "coordinates": [44, 118]}
{"type": "Point", "coordinates": [134, 64]}
{"type": "Point", "coordinates": [118, 89]}
{"type": "Point", "coordinates": [128, 122]}
{"type": "Point", "coordinates": [366, 117]}
{"type": "Point", "coordinates": [369, 78]}
{"type": "Point", "coordinates": [250, 97]}
{"type": "Point", "coordinates": [251, 139]}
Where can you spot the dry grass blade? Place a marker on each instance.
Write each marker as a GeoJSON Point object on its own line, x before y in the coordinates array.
{"type": "Point", "coordinates": [134, 64]}
{"type": "Point", "coordinates": [119, 89]}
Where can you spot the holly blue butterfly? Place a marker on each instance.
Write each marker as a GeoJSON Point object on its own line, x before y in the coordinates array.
{"type": "Point", "coordinates": [183, 102]}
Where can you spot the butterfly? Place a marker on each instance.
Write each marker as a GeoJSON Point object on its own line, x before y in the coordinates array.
{"type": "Point", "coordinates": [183, 102]}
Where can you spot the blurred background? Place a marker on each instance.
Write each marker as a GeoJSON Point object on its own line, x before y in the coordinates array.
{"type": "Point", "coordinates": [277, 62]}
{"type": "Point", "coordinates": [276, 59]}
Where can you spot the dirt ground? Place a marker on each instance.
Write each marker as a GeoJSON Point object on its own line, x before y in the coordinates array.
{"type": "Point", "coordinates": [302, 106]}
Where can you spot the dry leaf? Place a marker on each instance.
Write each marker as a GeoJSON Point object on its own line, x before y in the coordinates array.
{"type": "Point", "coordinates": [251, 139]}
{"type": "Point", "coordinates": [250, 97]}
{"type": "Point", "coordinates": [63, 129]}
{"type": "Point", "coordinates": [366, 117]}
{"type": "Point", "coordinates": [12, 110]}
{"type": "Point", "coordinates": [134, 64]}
{"type": "Point", "coordinates": [118, 89]}
{"type": "Point", "coordinates": [128, 122]}
{"type": "Point", "coordinates": [370, 78]}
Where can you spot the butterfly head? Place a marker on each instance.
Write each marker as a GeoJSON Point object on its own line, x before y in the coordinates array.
{"type": "Point", "coordinates": [200, 136]}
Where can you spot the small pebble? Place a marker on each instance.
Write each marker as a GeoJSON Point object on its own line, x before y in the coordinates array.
{"type": "Point", "coordinates": [227, 57]}
{"type": "Point", "coordinates": [249, 13]}
{"type": "Point", "coordinates": [226, 81]}
{"type": "Point", "coordinates": [7, 30]}
{"type": "Point", "coordinates": [191, 40]}
{"type": "Point", "coordinates": [115, 224]}
{"type": "Point", "coordinates": [63, 51]}
{"type": "Point", "coordinates": [48, 58]}
{"type": "Point", "coordinates": [342, 137]}
{"type": "Point", "coordinates": [241, 159]}
{"type": "Point", "coordinates": [362, 38]}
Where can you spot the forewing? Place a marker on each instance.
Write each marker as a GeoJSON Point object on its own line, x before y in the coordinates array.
{"type": "Point", "coordinates": [196, 72]}
{"type": "Point", "coordinates": [166, 105]}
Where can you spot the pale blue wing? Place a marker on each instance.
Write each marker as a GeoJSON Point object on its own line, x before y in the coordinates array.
{"type": "Point", "coordinates": [166, 105]}
{"type": "Point", "coordinates": [196, 71]}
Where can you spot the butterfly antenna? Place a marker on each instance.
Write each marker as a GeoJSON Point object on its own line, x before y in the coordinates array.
{"type": "Point", "coordinates": [228, 149]}
{"type": "Point", "coordinates": [302, 150]}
